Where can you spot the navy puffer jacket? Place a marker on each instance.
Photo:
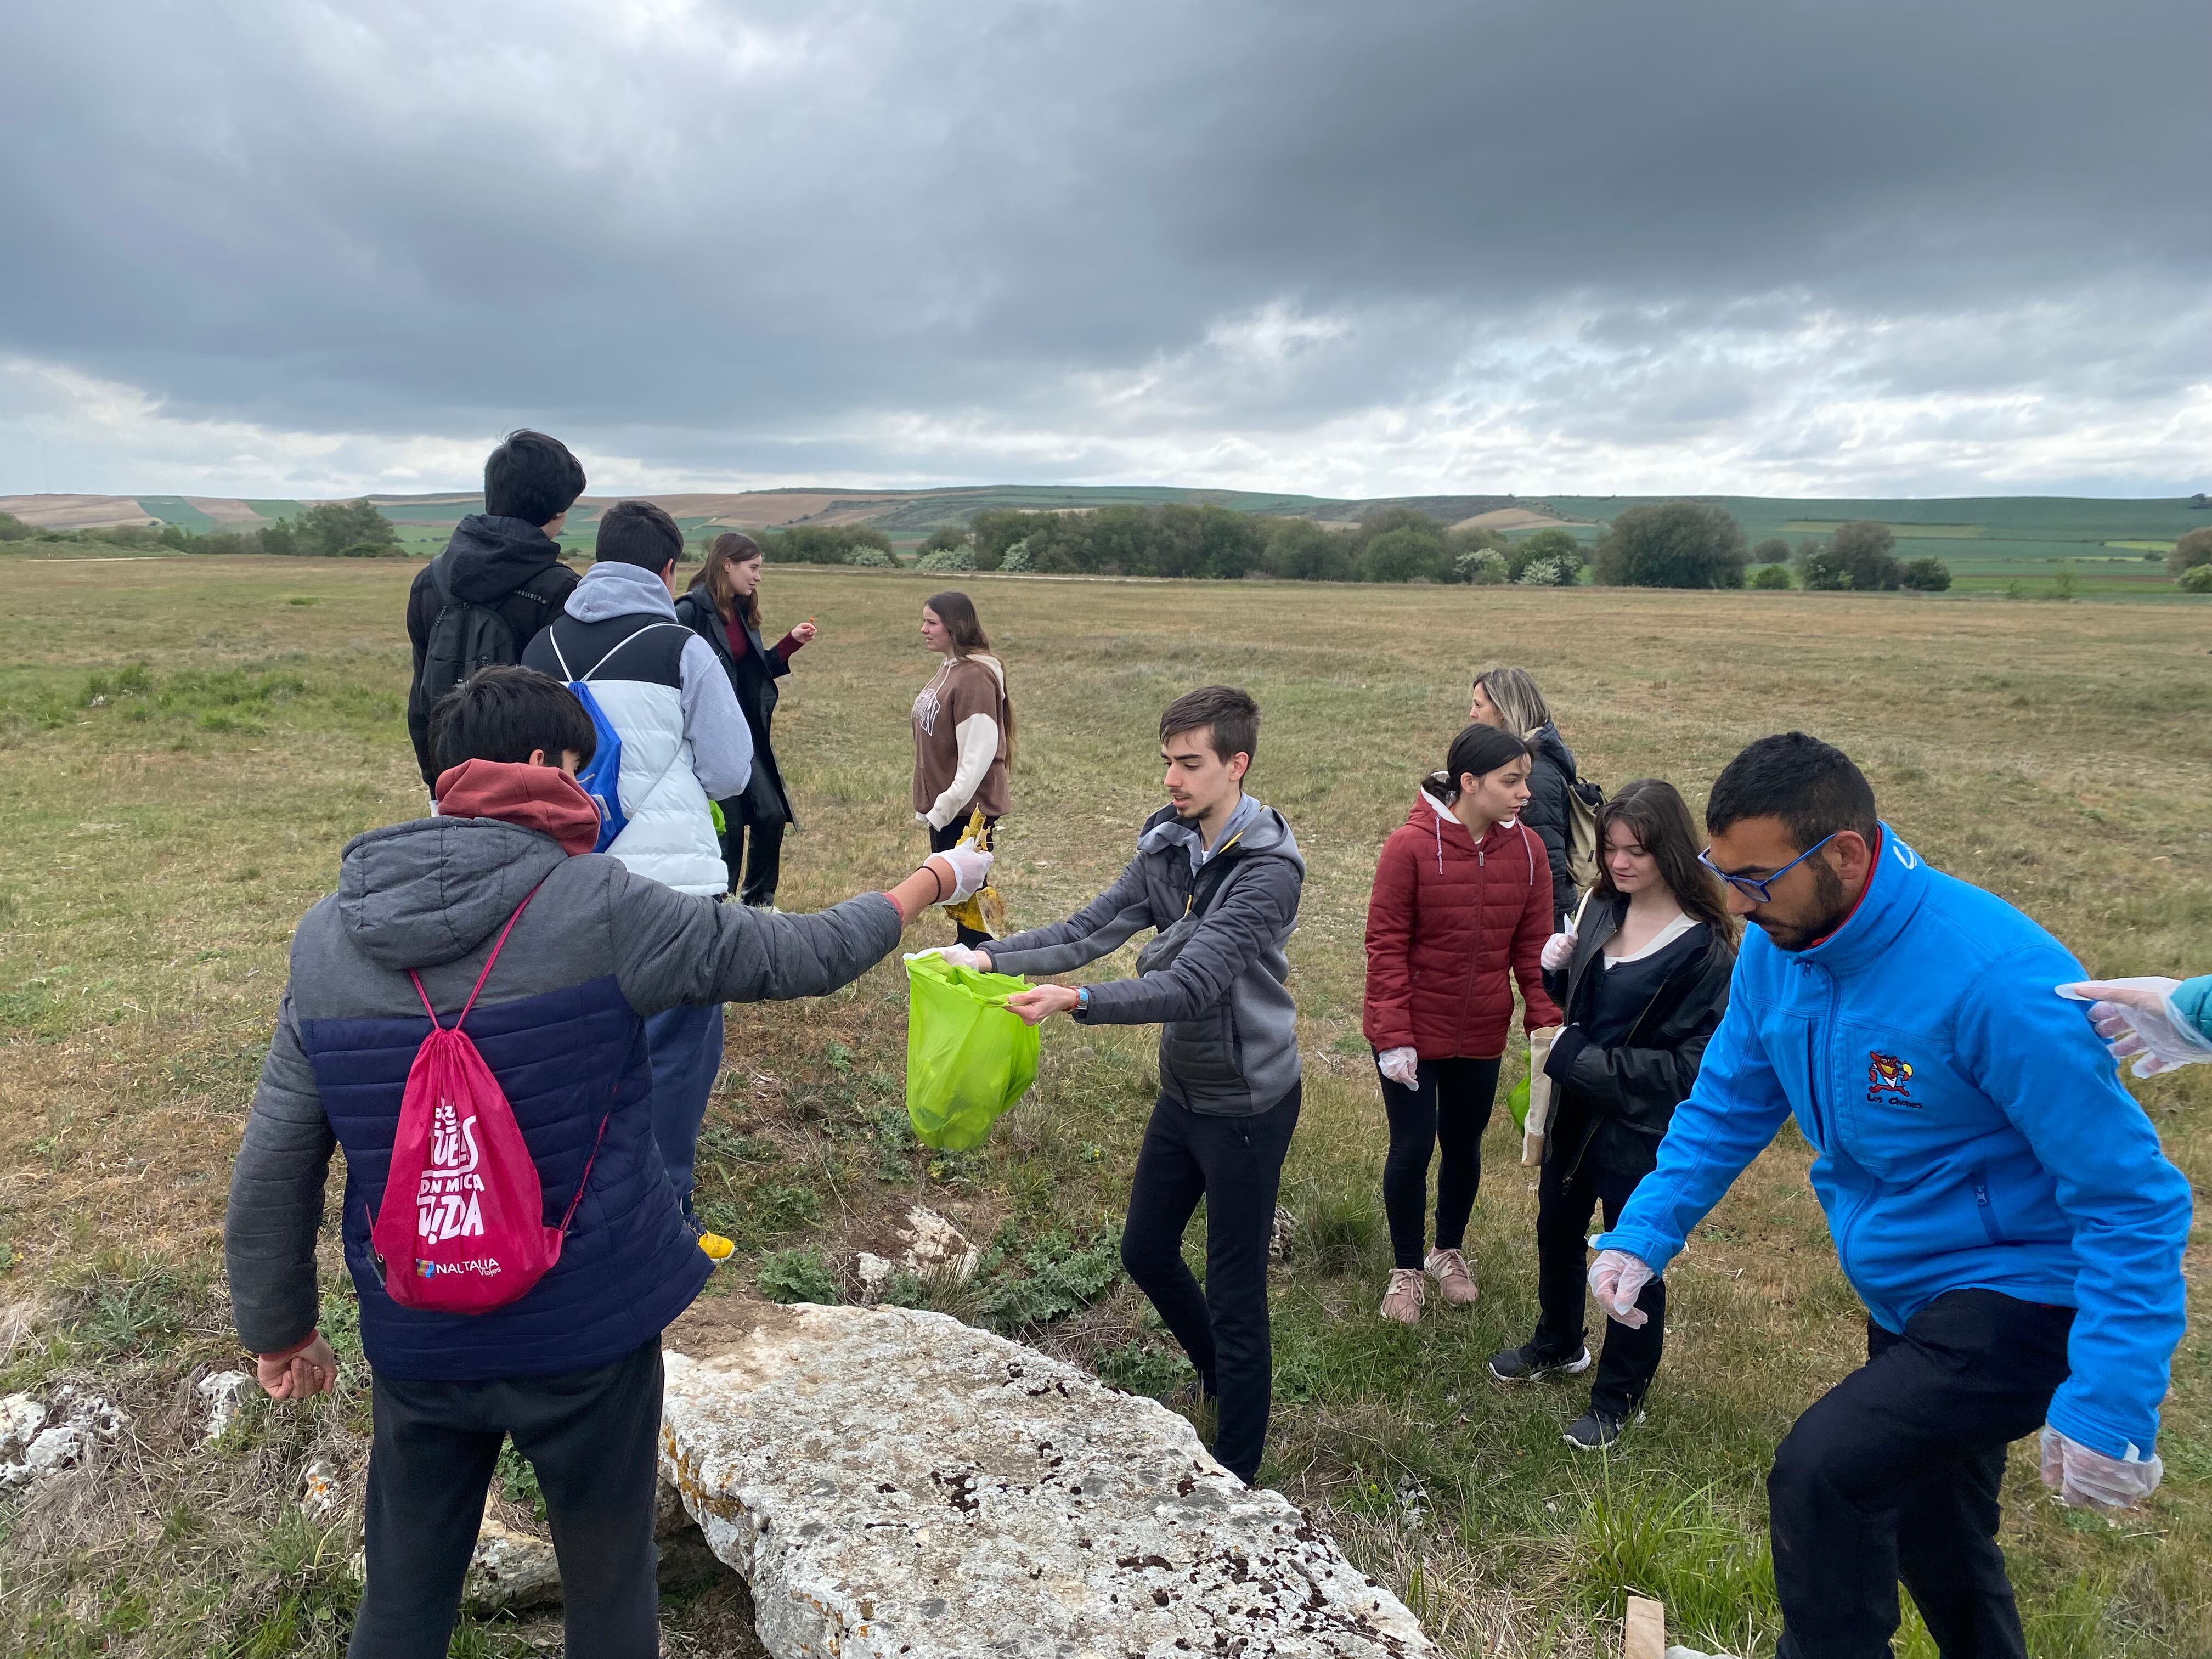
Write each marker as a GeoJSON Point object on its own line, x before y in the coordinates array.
{"type": "Point", "coordinates": [561, 1024]}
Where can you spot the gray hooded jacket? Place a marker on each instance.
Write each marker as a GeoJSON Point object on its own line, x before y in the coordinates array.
{"type": "Point", "coordinates": [1215, 978]}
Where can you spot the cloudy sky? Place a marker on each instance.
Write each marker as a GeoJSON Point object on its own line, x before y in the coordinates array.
{"type": "Point", "coordinates": [1767, 247]}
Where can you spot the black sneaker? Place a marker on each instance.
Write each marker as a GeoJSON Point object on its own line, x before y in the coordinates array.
{"type": "Point", "coordinates": [1594, 1431]}
{"type": "Point", "coordinates": [1530, 1364]}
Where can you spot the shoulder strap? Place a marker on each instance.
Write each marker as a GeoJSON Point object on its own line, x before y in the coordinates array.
{"type": "Point", "coordinates": [438, 578]}
{"type": "Point", "coordinates": [607, 656]}
{"type": "Point", "coordinates": [497, 946]}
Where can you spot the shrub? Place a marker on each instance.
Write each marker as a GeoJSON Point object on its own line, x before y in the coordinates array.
{"type": "Point", "coordinates": [13, 529]}
{"type": "Point", "coordinates": [944, 536]}
{"type": "Point", "coordinates": [1672, 544]}
{"type": "Point", "coordinates": [1300, 550]}
{"type": "Point", "coordinates": [1016, 559]}
{"type": "Point", "coordinates": [822, 544]}
{"type": "Point", "coordinates": [2190, 552]}
{"type": "Point", "coordinates": [1820, 570]}
{"type": "Point", "coordinates": [1770, 577]}
{"type": "Point", "coordinates": [1484, 567]}
{"type": "Point", "coordinates": [948, 558]}
{"type": "Point", "coordinates": [1408, 553]}
{"type": "Point", "coordinates": [796, 1276]}
{"type": "Point", "coordinates": [1549, 573]}
{"type": "Point", "coordinates": [333, 529]}
{"type": "Point", "coordinates": [1555, 547]}
{"type": "Point", "coordinates": [1863, 547]}
{"type": "Point", "coordinates": [1772, 551]}
{"type": "Point", "coordinates": [2062, 585]}
{"type": "Point", "coordinates": [1930, 576]}
{"type": "Point", "coordinates": [871, 558]}
{"type": "Point", "coordinates": [2197, 578]}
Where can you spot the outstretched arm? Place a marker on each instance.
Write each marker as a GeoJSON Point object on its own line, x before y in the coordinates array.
{"type": "Point", "coordinates": [1098, 929]}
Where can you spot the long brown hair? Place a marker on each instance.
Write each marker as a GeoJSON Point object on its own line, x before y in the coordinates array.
{"type": "Point", "coordinates": [731, 547]}
{"type": "Point", "coordinates": [964, 629]}
{"type": "Point", "coordinates": [1653, 810]}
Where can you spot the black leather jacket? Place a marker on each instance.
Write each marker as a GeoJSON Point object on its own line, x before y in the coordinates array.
{"type": "Point", "coordinates": [753, 678]}
{"type": "Point", "coordinates": [1635, 1084]}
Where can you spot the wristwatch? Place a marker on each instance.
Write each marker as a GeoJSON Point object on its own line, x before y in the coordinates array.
{"type": "Point", "coordinates": [1082, 1001]}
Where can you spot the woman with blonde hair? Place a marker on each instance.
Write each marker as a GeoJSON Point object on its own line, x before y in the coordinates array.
{"type": "Point", "coordinates": [1508, 698]}
{"type": "Point", "coordinates": [722, 606]}
{"type": "Point", "coordinates": [963, 730]}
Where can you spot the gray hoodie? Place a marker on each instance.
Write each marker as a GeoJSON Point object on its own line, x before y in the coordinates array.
{"type": "Point", "coordinates": [1215, 978]}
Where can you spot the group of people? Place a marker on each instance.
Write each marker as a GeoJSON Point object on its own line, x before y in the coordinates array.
{"type": "Point", "coordinates": [1998, 1201]}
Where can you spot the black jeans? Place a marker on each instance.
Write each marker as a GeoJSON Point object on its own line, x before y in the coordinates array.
{"type": "Point", "coordinates": [1236, 1165]}
{"type": "Point", "coordinates": [1893, 1473]}
{"type": "Point", "coordinates": [1447, 1109]}
{"type": "Point", "coordinates": [760, 877]}
{"type": "Point", "coordinates": [593, 1439]}
{"type": "Point", "coordinates": [1564, 1208]}
{"type": "Point", "coordinates": [944, 840]}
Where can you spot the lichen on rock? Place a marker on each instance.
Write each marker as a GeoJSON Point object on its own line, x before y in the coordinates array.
{"type": "Point", "coordinates": [892, 1481]}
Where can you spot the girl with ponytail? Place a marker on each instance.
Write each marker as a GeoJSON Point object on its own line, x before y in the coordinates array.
{"type": "Point", "coordinates": [1461, 908]}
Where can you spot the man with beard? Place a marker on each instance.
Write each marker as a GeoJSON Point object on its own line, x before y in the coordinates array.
{"type": "Point", "coordinates": [1997, 1199]}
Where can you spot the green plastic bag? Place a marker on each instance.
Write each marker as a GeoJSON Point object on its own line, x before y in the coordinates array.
{"type": "Point", "coordinates": [967, 1059]}
{"type": "Point", "coordinates": [1516, 1102]}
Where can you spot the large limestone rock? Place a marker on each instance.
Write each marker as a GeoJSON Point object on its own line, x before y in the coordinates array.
{"type": "Point", "coordinates": [892, 1482]}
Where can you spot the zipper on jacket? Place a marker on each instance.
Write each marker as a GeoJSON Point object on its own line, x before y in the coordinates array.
{"type": "Point", "coordinates": [1980, 1181]}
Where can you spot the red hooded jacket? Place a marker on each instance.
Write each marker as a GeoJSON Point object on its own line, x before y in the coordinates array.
{"type": "Point", "coordinates": [1450, 924]}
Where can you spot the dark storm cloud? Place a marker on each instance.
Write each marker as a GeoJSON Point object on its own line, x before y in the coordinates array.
{"type": "Point", "coordinates": [709, 231]}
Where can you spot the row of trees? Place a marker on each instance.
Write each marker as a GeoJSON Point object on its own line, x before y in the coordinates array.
{"type": "Point", "coordinates": [329, 529]}
{"type": "Point", "coordinates": [1857, 558]}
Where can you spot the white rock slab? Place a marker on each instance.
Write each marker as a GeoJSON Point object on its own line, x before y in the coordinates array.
{"type": "Point", "coordinates": [893, 1482]}
{"type": "Point", "coordinates": [221, 1393]}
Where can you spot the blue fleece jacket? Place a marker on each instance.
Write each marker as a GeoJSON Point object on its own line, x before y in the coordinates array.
{"type": "Point", "coordinates": [1970, 1132]}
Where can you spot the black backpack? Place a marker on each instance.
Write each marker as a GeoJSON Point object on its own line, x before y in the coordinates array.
{"type": "Point", "coordinates": [467, 636]}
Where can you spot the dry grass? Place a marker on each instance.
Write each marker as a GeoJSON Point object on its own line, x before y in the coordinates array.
{"type": "Point", "coordinates": [169, 836]}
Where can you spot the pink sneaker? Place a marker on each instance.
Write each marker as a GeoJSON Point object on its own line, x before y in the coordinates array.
{"type": "Point", "coordinates": [1455, 1282]}
{"type": "Point", "coordinates": [1403, 1300]}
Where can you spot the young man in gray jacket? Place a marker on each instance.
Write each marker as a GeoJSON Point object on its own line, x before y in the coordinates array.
{"type": "Point", "coordinates": [1219, 875]}
{"type": "Point", "coordinates": [571, 1369]}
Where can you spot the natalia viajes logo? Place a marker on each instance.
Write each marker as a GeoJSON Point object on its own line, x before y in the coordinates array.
{"type": "Point", "coordinates": [483, 1265]}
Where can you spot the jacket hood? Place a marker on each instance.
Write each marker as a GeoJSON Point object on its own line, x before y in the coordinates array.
{"type": "Point", "coordinates": [1431, 817]}
{"type": "Point", "coordinates": [423, 894]}
{"type": "Point", "coordinates": [614, 589]}
{"type": "Point", "coordinates": [541, 798]}
{"type": "Point", "coordinates": [998, 669]}
{"type": "Point", "coordinates": [1549, 746]}
{"type": "Point", "coordinates": [1265, 834]}
{"type": "Point", "coordinates": [489, 556]}
{"type": "Point", "coordinates": [1552, 747]}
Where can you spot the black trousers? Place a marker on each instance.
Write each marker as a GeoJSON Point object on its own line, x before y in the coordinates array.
{"type": "Point", "coordinates": [760, 877]}
{"type": "Point", "coordinates": [1564, 1208]}
{"type": "Point", "coordinates": [944, 840]}
{"type": "Point", "coordinates": [1893, 1473]}
{"type": "Point", "coordinates": [593, 1439]}
{"type": "Point", "coordinates": [1446, 1110]}
{"type": "Point", "coordinates": [1236, 1165]}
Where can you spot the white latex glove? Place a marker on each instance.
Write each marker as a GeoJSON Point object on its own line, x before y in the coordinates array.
{"type": "Point", "coordinates": [1616, 1279]}
{"type": "Point", "coordinates": [1558, 950]}
{"type": "Point", "coordinates": [2086, 1480]}
{"type": "Point", "coordinates": [2136, 1017]}
{"type": "Point", "coordinates": [959, 956]}
{"type": "Point", "coordinates": [1400, 1065]}
{"type": "Point", "coordinates": [972, 869]}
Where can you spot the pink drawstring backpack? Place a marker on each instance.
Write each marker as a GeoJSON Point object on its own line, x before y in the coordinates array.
{"type": "Point", "coordinates": [462, 1228]}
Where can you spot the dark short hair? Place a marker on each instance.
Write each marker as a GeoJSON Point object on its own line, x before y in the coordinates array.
{"type": "Point", "coordinates": [532, 477]}
{"type": "Point", "coordinates": [1481, 750]}
{"type": "Point", "coordinates": [639, 534]}
{"type": "Point", "coordinates": [502, 712]}
{"type": "Point", "coordinates": [1230, 716]}
{"type": "Point", "coordinates": [1812, 786]}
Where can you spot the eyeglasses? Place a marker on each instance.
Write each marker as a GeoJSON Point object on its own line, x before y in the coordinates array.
{"type": "Point", "coordinates": [1760, 889]}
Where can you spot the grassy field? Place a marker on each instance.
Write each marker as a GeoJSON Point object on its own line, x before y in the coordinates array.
{"type": "Point", "coordinates": [186, 745]}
